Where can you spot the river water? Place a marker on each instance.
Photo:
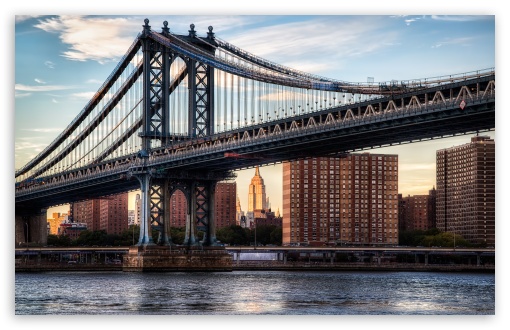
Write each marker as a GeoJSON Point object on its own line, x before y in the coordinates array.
{"type": "Point", "coordinates": [255, 292]}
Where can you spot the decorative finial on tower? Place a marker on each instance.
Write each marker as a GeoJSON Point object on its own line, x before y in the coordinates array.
{"type": "Point", "coordinates": [146, 27]}
{"type": "Point", "coordinates": [165, 29]}
{"type": "Point", "coordinates": [210, 34]}
{"type": "Point", "coordinates": [192, 32]}
{"type": "Point", "coordinates": [257, 171]}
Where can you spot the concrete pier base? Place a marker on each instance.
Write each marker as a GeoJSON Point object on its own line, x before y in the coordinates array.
{"type": "Point", "coordinates": [156, 258]}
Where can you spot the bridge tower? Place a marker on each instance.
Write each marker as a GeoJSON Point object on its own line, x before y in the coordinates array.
{"type": "Point", "coordinates": [157, 186]}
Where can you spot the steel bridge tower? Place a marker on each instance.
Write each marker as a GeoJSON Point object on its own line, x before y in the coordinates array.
{"type": "Point", "coordinates": [157, 188]}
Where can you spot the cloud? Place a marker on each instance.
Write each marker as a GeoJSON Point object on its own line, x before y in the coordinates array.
{"type": "Point", "coordinates": [466, 41]}
{"type": "Point", "coordinates": [39, 81]}
{"type": "Point", "coordinates": [54, 101]}
{"type": "Point", "coordinates": [50, 64]}
{"type": "Point", "coordinates": [336, 39]}
{"type": "Point", "coordinates": [94, 81]}
{"type": "Point", "coordinates": [45, 88]}
{"type": "Point", "coordinates": [84, 95]}
{"type": "Point", "coordinates": [21, 95]}
{"type": "Point", "coordinates": [410, 20]}
{"type": "Point", "coordinates": [22, 18]}
{"type": "Point", "coordinates": [43, 130]}
{"type": "Point", "coordinates": [461, 18]}
{"type": "Point", "coordinates": [100, 39]}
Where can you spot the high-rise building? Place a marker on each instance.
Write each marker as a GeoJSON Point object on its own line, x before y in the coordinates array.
{"type": "Point", "coordinates": [178, 209]}
{"type": "Point", "coordinates": [225, 204]}
{"type": "Point", "coordinates": [465, 180]}
{"type": "Point", "coordinates": [107, 213]}
{"type": "Point", "coordinates": [257, 193]}
{"type": "Point", "coordinates": [349, 200]}
{"type": "Point", "coordinates": [138, 209]}
{"type": "Point", "coordinates": [131, 217]}
{"type": "Point", "coordinates": [87, 212]}
{"type": "Point", "coordinates": [418, 212]}
{"type": "Point", "coordinates": [239, 211]}
{"type": "Point", "coordinates": [114, 214]}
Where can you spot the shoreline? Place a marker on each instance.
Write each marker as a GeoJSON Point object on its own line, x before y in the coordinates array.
{"type": "Point", "coordinates": [265, 266]}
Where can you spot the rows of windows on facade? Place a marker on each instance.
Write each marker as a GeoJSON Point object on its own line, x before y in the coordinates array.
{"type": "Point", "coordinates": [349, 199]}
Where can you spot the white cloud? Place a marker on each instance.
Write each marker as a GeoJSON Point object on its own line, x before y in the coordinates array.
{"type": "Point", "coordinates": [84, 95]}
{"type": "Point", "coordinates": [17, 94]}
{"type": "Point", "coordinates": [22, 18]}
{"type": "Point", "coordinates": [466, 41]}
{"type": "Point", "coordinates": [100, 39]}
{"type": "Point", "coordinates": [461, 18]}
{"type": "Point", "coordinates": [43, 130]}
{"type": "Point", "coordinates": [54, 101]}
{"type": "Point", "coordinates": [94, 81]}
{"type": "Point", "coordinates": [46, 88]}
{"type": "Point", "coordinates": [39, 81]}
{"type": "Point", "coordinates": [333, 38]}
{"type": "Point", "coordinates": [50, 64]}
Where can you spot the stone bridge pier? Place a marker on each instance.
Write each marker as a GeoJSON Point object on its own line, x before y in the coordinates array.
{"type": "Point", "coordinates": [31, 228]}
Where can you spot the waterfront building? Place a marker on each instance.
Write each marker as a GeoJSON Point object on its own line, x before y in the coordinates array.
{"type": "Point", "coordinates": [87, 212]}
{"type": "Point", "coordinates": [465, 180]}
{"type": "Point", "coordinates": [341, 200]}
{"type": "Point", "coordinates": [178, 209]}
{"type": "Point", "coordinates": [417, 212]}
{"type": "Point", "coordinates": [55, 221]}
{"type": "Point", "coordinates": [225, 204]}
{"type": "Point", "coordinates": [114, 214]}
{"type": "Point", "coordinates": [71, 229]}
{"type": "Point", "coordinates": [107, 213]}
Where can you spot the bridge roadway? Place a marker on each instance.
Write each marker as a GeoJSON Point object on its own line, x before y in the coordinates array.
{"type": "Point", "coordinates": [332, 132]}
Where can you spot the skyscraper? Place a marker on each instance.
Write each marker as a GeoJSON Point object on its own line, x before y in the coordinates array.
{"type": "Point", "coordinates": [466, 187]}
{"type": "Point", "coordinates": [257, 193]}
{"type": "Point", "coordinates": [351, 199]}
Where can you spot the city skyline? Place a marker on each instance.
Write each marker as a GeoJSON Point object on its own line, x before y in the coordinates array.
{"type": "Point", "coordinates": [48, 97]}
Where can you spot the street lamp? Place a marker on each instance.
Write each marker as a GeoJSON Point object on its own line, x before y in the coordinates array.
{"type": "Point", "coordinates": [255, 224]}
{"type": "Point", "coordinates": [26, 236]}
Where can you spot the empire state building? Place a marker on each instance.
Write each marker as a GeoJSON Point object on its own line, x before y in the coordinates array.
{"type": "Point", "coordinates": [257, 193]}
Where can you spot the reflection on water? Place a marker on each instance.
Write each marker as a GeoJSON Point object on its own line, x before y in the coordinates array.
{"type": "Point", "coordinates": [258, 292]}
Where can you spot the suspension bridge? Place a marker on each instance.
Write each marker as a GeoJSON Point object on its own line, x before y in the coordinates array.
{"type": "Point", "coordinates": [183, 112]}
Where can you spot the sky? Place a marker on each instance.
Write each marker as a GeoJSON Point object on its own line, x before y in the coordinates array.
{"type": "Point", "coordinates": [55, 63]}
{"type": "Point", "coordinates": [61, 61]}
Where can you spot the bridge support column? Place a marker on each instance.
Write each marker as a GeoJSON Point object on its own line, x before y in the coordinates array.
{"type": "Point", "coordinates": [145, 225]}
{"type": "Point", "coordinates": [426, 258]}
{"type": "Point", "coordinates": [31, 228]}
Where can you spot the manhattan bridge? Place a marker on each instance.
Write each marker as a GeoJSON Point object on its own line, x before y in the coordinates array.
{"type": "Point", "coordinates": [183, 112]}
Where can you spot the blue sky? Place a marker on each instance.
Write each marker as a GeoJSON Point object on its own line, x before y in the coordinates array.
{"type": "Point", "coordinates": [61, 61]}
